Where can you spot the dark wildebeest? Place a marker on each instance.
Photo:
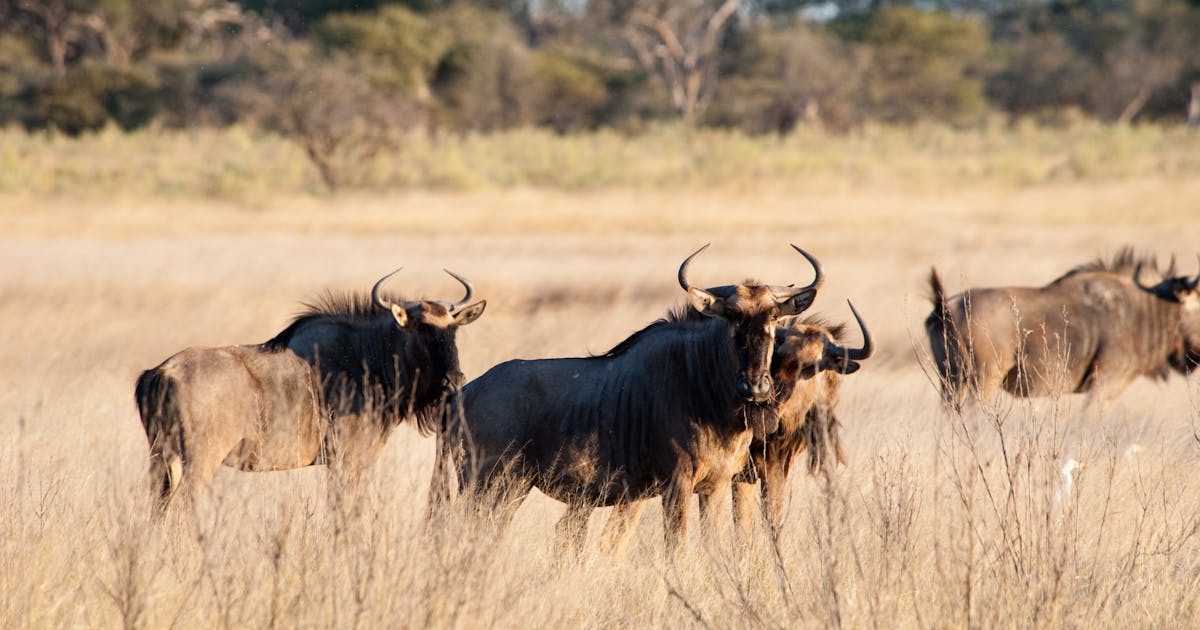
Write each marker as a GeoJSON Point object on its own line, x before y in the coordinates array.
{"type": "Point", "coordinates": [327, 390]}
{"type": "Point", "coordinates": [806, 369]}
{"type": "Point", "coordinates": [1094, 329]}
{"type": "Point", "coordinates": [660, 413]}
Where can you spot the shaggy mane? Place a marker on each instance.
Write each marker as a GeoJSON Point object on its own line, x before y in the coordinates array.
{"type": "Point", "coordinates": [1123, 262]}
{"type": "Point", "coordinates": [350, 307]}
{"type": "Point", "coordinates": [679, 316]}
{"type": "Point", "coordinates": [837, 331]}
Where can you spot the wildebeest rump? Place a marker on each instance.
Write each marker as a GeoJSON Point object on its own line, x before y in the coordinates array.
{"type": "Point", "coordinates": [1095, 329]}
{"type": "Point", "coordinates": [660, 413]}
{"type": "Point", "coordinates": [806, 366]}
{"type": "Point", "coordinates": [326, 390]}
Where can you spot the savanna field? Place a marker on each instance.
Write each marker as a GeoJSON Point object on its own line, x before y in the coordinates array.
{"type": "Point", "coordinates": [118, 250]}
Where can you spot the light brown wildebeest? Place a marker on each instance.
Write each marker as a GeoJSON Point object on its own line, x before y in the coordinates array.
{"type": "Point", "coordinates": [806, 368]}
{"type": "Point", "coordinates": [327, 390]}
{"type": "Point", "coordinates": [667, 411]}
{"type": "Point", "coordinates": [1094, 329]}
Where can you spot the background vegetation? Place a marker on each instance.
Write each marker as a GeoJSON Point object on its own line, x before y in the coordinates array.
{"type": "Point", "coordinates": [364, 86]}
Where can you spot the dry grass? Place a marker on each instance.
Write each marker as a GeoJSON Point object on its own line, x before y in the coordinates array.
{"type": "Point", "coordinates": [253, 167]}
{"type": "Point", "coordinates": [937, 521]}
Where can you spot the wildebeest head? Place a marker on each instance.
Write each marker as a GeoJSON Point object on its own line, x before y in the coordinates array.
{"type": "Point", "coordinates": [751, 310]}
{"type": "Point", "coordinates": [437, 321]}
{"type": "Point", "coordinates": [1185, 292]}
{"type": "Point", "coordinates": [806, 350]}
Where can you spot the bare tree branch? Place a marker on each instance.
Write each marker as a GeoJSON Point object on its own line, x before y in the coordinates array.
{"type": "Point", "coordinates": [670, 40]}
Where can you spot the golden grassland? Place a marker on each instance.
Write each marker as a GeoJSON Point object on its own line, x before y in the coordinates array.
{"type": "Point", "coordinates": [938, 520]}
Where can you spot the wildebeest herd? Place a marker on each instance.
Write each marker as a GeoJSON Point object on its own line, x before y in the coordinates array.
{"type": "Point", "coordinates": [721, 395]}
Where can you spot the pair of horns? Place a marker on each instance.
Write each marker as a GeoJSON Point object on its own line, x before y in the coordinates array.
{"type": "Point", "coordinates": [1191, 283]}
{"type": "Point", "coordinates": [780, 293]}
{"type": "Point", "coordinates": [375, 297]}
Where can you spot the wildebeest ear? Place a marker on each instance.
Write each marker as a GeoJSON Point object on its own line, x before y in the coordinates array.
{"type": "Point", "coordinates": [400, 314]}
{"type": "Point", "coordinates": [797, 303]}
{"type": "Point", "coordinates": [705, 302]}
{"type": "Point", "coordinates": [469, 314]}
{"type": "Point", "coordinates": [843, 367]}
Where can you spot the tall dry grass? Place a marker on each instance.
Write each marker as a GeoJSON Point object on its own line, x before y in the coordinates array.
{"type": "Point", "coordinates": [939, 519]}
{"type": "Point", "coordinates": [247, 165]}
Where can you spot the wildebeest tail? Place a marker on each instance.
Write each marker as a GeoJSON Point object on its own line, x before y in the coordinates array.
{"type": "Point", "coordinates": [944, 350]}
{"type": "Point", "coordinates": [158, 405]}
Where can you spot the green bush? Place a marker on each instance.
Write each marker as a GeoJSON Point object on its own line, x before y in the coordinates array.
{"type": "Point", "coordinates": [571, 94]}
{"type": "Point", "coordinates": [396, 47]}
{"type": "Point", "coordinates": [88, 96]}
{"type": "Point", "coordinates": [484, 81]}
{"type": "Point", "coordinates": [925, 66]}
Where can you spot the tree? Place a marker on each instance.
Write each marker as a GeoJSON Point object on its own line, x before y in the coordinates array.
{"type": "Point", "coordinates": [788, 74]}
{"type": "Point", "coordinates": [679, 41]}
{"type": "Point", "coordinates": [924, 65]}
{"type": "Point", "coordinates": [1111, 63]}
{"type": "Point", "coordinates": [340, 118]}
{"type": "Point", "coordinates": [58, 26]}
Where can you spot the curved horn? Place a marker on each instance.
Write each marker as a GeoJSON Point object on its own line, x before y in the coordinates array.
{"type": "Point", "coordinates": [683, 268]}
{"type": "Point", "coordinates": [466, 283]}
{"type": "Point", "coordinates": [854, 354]}
{"type": "Point", "coordinates": [1137, 280]}
{"type": "Point", "coordinates": [375, 290]}
{"type": "Point", "coordinates": [785, 293]}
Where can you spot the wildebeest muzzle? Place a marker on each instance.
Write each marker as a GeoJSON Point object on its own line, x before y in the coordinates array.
{"type": "Point", "coordinates": [755, 389]}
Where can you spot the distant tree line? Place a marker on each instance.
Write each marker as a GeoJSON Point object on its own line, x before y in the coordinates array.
{"type": "Point", "coordinates": [349, 78]}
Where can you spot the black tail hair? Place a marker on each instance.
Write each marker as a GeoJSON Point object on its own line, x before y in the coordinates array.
{"type": "Point", "coordinates": [157, 401]}
{"type": "Point", "coordinates": [941, 343]}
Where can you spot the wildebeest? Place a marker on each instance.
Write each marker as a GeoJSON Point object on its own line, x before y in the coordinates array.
{"type": "Point", "coordinates": [328, 389]}
{"type": "Point", "coordinates": [1094, 329]}
{"type": "Point", "coordinates": [806, 369]}
{"type": "Point", "coordinates": [660, 413]}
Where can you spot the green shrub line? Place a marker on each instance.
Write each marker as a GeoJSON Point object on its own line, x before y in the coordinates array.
{"type": "Point", "coordinates": [243, 163]}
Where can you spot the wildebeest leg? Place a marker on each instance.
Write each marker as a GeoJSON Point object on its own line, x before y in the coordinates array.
{"type": "Point", "coordinates": [713, 510]}
{"type": "Point", "coordinates": [200, 468]}
{"type": "Point", "coordinates": [745, 510]}
{"type": "Point", "coordinates": [774, 490]}
{"type": "Point", "coordinates": [571, 530]}
{"type": "Point", "coordinates": [166, 475]}
{"type": "Point", "coordinates": [984, 376]}
{"type": "Point", "coordinates": [439, 483]}
{"type": "Point", "coordinates": [676, 503]}
{"type": "Point", "coordinates": [618, 531]}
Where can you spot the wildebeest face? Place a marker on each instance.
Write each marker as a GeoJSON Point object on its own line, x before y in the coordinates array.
{"type": "Point", "coordinates": [438, 324]}
{"type": "Point", "coordinates": [1189, 327]}
{"type": "Point", "coordinates": [805, 350]}
{"type": "Point", "coordinates": [1185, 292]}
{"type": "Point", "coordinates": [435, 325]}
{"type": "Point", "coordinates": [751, 310]}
